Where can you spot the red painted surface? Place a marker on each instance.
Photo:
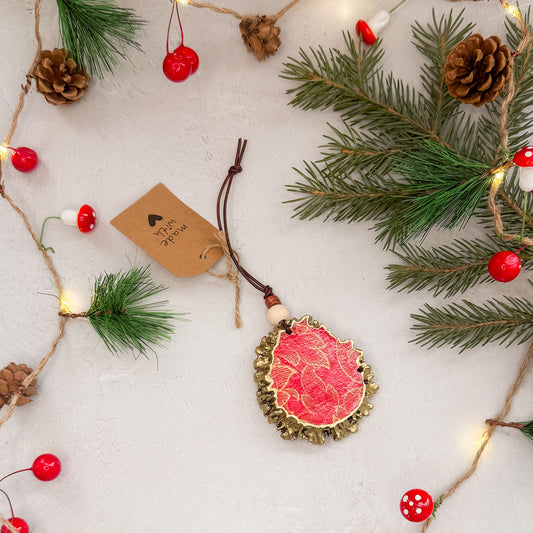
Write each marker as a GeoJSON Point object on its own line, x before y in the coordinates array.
{"type": "Point", "coordinates": [315, 375]}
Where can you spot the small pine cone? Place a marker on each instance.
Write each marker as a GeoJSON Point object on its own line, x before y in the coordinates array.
{"type": "Point", "coordinates": [260, 35]}
{"type": "Point", "coordinates": [11, 378]}
{"type": "Point", "coordinates": [59, 78]}
{"type": "Point", "coordinates": [477, 69]}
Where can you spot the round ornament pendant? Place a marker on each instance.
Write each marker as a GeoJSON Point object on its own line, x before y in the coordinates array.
{"type": "Point", "coordinates": [310, 383]}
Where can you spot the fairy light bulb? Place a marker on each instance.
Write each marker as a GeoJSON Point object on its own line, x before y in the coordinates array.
{"type": "Point", "coordinates": [3, 151]}
{"type": "Point", "coordinates": [183, 2]}
{"type": "Point", "coordinates": [497, 177]}
{"type": "Point", "coordinates": [512, 10]}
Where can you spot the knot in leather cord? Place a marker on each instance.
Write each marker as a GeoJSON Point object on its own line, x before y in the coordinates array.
{"type": "Point", "coordinates": [235, 169]}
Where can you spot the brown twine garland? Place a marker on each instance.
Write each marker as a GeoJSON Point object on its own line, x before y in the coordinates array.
{"type": "Point", "coordinates": [488, 434]}
{"type": "Point", "coordinates": [227, 11]}
{"type": "Point", "coordinates": [231, 274]}
{"type": "Point", "coordinates": [46, 257]}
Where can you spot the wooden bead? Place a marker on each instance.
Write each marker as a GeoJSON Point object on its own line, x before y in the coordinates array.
{"type": "Point", "coordinates": [272, 300]}
{"type": "Point", "coordinates": [277, 313]}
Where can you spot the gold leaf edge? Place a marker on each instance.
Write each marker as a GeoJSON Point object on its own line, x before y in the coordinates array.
{"type": "Point", "coordinates": [288, 425]}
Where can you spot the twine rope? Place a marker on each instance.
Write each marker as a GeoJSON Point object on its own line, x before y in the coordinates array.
{"type": "Point", "coordinates": [232, 274]}
{"type": "Point", "coordinates": [492, 424]}
{"type": "Point", "coordinates": [526, 42]}
{"type": "Point", "coordinates": [227, 11]}
{"type": "Point", "coordinates": [30, 377]}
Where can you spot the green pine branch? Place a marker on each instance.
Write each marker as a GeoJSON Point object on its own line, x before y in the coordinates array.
{"type": "Point", "coordinates": [97, 32]}
{"type": "Point", "coordinates": [467, 325]}
{"type": "Point", "coordinates": [122, 316]}
{"type": "Point", "coordinates": [448, 269]}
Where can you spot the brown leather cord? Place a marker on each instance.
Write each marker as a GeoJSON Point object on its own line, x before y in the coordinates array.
{"type": "Point", "coordinates": [222, 219]}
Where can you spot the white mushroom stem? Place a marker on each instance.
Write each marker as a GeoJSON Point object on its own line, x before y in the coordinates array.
{"type": "Point", "coordinates": [379, 21]}
{"type": "Point", "coordinates": [525, 181]}
{"type": "Point", "coordinates": [69, 217]}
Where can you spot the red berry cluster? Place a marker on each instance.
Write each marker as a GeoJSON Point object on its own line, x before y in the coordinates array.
{"type": "Point", "coordinates": [45, 468]}
{"type": "Point", "coordinates": [180, 64]}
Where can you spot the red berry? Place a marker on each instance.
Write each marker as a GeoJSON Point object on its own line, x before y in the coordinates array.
{"type": "Point", "coordinates": [24, 159]}
{"type": "Point", "coordinates": [504, 266]}
{"type": "Point", "coordinates": [176, 68]}
{"type": "Point", "coordinates": [190, 55]}
{"type": "Point", "coordinates": [46, 467]}
{"type": "Point", "coordinates": [20, 525]}
{"type": "Point", "coordinates": [416, 505]}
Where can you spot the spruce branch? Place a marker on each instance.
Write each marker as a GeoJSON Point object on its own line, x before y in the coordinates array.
{"type": "Point", "coordinates": [435, 41]}
{"type": "Point", "coordinates": [467, 325]}
{"type": "Point", "coordinates": [97, 32]}
{"type": "Point", "coordinates": [443, 189]}
{"type": "Point", "coordinates": [448, 269]}
{"type": "Point", "coordinates": [121, 315]}
{"type": "Point", "coordinates": [325, 193]}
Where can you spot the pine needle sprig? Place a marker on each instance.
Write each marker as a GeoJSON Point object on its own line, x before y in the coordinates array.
{"type": "Point", "coordinates": [448, 269]}
{"type": "Point", "coordinates": [443, 189]}
{"type": "Point", "coordinates": [97, 32]}
{"type": "Point", "coordinates": [123, 318]}
{"type": "Point", "coordinates": [350, 151]}
{"type": "Point", "coordinates": [435, 41]}
{"type": "Point", "coordinates": [467, 325]}
{"type": "Point", "coordinates": [324, 194]}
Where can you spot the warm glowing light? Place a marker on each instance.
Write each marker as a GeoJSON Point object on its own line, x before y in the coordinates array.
{"type": "Point", "coordinates": [512, 10]}
{"type": "Point", "coordinates": [497, 177]}
{"type": "Point", "coordinates": [484, 438]}
{"type": "Point", "coordinates": [3, 151]}
{"type": "Point", "coordinates": [63, 305]}
{"type": "Point", "coordinates": [182, 2]}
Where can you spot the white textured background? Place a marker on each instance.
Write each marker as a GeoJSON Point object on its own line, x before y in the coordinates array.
{"type": "Point", "coordinates": [185, 448]}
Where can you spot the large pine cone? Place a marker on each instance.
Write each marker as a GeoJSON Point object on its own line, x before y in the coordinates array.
{"type": "Point", "coordinates": [260, 35]}
{"type": "Point", "coordinates": [59, 78]}
{"type": "Point", "coordinates": [11, 378]}
{"type": "Point", "coordinates": [477, 69]}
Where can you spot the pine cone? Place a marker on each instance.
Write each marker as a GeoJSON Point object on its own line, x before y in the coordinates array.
{"type": "Point", "coordinates": [11, 378]}
{"type": "Point", "coordinates": [59, 78]}
{"type": "Point", "coordinates": [260, 35]}
{"type": "Point", "coordinates": [477, 69]}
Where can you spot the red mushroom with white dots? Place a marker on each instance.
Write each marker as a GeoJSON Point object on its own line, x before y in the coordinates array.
{"type": "Point", "coordinates": [84, 219]}
{"type": "Point", "coordinates": [524, 159]}
{"type": "Point", "coordinates": [416, 505]}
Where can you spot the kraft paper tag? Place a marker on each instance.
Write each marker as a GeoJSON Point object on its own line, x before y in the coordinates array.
{"type": "Point", "coordinates": [170, 232]}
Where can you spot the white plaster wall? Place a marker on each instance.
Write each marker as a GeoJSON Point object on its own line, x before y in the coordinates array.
{"type": "Point", "coordinates": [179, 444]}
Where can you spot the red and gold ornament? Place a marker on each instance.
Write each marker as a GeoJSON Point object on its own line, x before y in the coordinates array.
{"type": "Point", "coordinates": [416, 505]}
{"type": "Point", "coordinates": [183, 61]}
{"type": "Point", "coordinates": [310, 384]}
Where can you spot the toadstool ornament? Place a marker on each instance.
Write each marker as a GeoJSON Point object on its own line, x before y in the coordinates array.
{"type": "Point", "coordinates": [84, 219]}
{"type": "Point", "coordinates": [368, 30]}
{"type": "Point", "coordinates": [416, 505]}
{"type": "Point", "coordinates": [524, 159]}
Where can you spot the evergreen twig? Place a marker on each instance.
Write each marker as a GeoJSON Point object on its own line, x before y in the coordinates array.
{"type": "Point", "coordinates": [448, 269]}
{"type": "Point", "coordinates": [121, 315]}
{"type": "Point", "coordinates": [97, 32]}
{"type": "Point", "coordinates": [467, 324]}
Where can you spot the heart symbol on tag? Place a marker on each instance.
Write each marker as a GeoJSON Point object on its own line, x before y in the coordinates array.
{"type": "Point", "coordinates": [152, 219]}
